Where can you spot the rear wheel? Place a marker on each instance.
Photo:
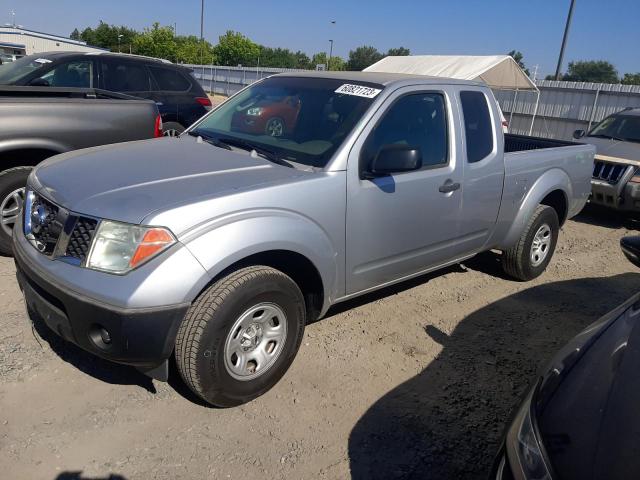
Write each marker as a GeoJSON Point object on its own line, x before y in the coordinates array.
{"type": "Point", "coordinates": [530, 256]}
{"type": "Point", "coordinates": [172, 129]}
{"type": "Point", "coordinates": [241, 335]}
{"type": "Point", "coordinates": [12, 183]}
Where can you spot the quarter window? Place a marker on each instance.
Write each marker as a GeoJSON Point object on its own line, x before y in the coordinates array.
{"type": "Point", "coordinates": [477, 125]}
{"type": "Point", "coordinates": [416, 120]}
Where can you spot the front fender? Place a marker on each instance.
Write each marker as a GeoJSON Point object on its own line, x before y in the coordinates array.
{"type": "Point", "coordinates": [549, 181]}
{"type": "Point", "coordinates": [232, 238]}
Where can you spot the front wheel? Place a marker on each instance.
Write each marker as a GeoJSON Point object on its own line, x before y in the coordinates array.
{"type": "Point", "coordinates": [12, 183]}
{"type": "Point", "coordinates": [530, 256]}
{"type": "Point", "coordinates": [241, 335]}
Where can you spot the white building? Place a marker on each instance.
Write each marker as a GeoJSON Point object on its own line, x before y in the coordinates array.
{"type": "Point", "coordinates": [19, 41]}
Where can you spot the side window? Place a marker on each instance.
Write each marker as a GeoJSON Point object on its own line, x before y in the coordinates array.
{"type": "Point", "coordinates": [477, 125]}
{"type": "Point", "coordinates": [170, 80]}
{"type": "Point", "coordinates": [125, 77]}
{"type": "Point", "coordinates": [77, 74]}
{"type": "Point", "coordinates": [415, 120]}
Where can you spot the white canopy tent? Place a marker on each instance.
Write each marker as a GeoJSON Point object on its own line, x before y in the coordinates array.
{"type": "Point", "coordinates": [500, 72]}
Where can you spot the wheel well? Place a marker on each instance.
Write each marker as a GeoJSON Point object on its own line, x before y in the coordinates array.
{"type": "Point", "coordinates": [27, 157]}
{"type": "Point", "coordinates": [558, 201]}
{"type": "Point", "coordinates": [296, 266]}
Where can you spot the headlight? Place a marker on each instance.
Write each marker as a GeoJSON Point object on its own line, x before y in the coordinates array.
{"type": "Point", "coordinates": [524, 451]}
{"type": "Point", "coordinates": [255, 111]}
{"type": "Point", "coordinates": [120, 247]}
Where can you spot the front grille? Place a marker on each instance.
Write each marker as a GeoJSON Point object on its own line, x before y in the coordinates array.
{"type": "Point", "coordinates": [45, 227]}
{"type": "Point", "coordinates": [81, 238]}
{"type": "Point", "coordinates": [56, 232]}
{"type": "Point", "coordinates": [608, 172]}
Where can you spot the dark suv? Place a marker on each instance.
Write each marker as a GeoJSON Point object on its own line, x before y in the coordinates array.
{"type": "Point", "coordinates": [180, 98]}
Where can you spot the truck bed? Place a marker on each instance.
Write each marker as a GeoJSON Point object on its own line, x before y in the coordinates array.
{"type": "Point", "coordinates": [519, 143]}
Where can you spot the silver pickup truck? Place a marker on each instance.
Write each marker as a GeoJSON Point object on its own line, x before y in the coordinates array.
{"type": "Point", "coordinates": [301, 191]}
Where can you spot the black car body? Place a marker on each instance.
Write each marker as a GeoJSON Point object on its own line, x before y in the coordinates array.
{"type": "Point", "coordinates": [180, 98]}
{"type": "Point", "coordinates": [580, 420]}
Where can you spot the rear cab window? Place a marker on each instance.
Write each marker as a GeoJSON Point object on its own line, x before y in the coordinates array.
{"type": "Point", "coordinates": [170, 80]}
{"type": "Point", "coordinates": [477, 125]}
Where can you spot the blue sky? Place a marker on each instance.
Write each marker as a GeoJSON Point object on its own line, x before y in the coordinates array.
{"type": "Point", "coordinates": [600, 30]}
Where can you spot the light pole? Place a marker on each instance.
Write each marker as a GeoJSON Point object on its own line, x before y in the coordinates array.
{"type": "Point", "coordinates": [202, 33]}
{"type": "Point", "coordinates": [564, 40]}
{"type": "Point", "coordinates": [119, 37]}
{"type": "Point", "coordinates": [330, 54]}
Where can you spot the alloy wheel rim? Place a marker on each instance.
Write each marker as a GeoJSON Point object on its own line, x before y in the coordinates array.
{"type": "Point", "coordinates": [255, 341]}
{"type": "Point", "coordinates": [10, 209]}
{"type": "Point", "coordinates": [541, 245]}
{"type": "Point", "coordinates": [275, 128]}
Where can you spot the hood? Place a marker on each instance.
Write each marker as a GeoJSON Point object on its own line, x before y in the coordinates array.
{"type": "Point", "coordinates": [129, 181]}
{"type": "Point", "coordinates": [614, 148]}
{"type": "Point", "coordinates": [589, 423]}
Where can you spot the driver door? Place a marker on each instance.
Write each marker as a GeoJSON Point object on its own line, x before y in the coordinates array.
{"type": "Point", "coordinates": [404, 223]}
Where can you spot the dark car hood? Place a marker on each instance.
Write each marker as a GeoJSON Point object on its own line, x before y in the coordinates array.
{"type": "Point", "coordinates": [615, 148]}
{"type": "Point", "coordinates": [129, 181]}
{"type": "Point", "coordinates": [590, 423]}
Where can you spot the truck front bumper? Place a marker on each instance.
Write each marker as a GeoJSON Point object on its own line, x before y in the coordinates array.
{"type": "Point", "coordinates": [141, 337]}
{"type": "Point", "coordinates": [623, 196]}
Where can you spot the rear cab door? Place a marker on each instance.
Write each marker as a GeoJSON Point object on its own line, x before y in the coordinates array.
{"type": "Point", "coordinates": [401, 224]}
{"type": "Point", "coordinates": [483, 166]}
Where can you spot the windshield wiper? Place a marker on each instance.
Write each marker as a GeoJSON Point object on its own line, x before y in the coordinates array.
{"type": "Point", "coordinates": [209, 139]}
{"type": "Point", "coordinates": [265, 152]}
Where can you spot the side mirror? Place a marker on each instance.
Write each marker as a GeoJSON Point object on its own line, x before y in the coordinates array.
{"type": "Point", "coordinates": [578, 134]}
{"type": "Point", "coordinates": [38, 82]}
{"type": "Point", "coordinates": [631, 248]}
{"type": "Point", "coordinates": [395, 159]}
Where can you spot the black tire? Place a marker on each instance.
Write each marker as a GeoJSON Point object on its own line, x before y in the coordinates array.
{"type": "Point", "coordinates": [201, 338]}
{"type": "Point", "coordinates": [172, 129]}
{"type": "Point", "coordinates": [10, 181]}
{"type": "Point", "coordinates": [517, 261]}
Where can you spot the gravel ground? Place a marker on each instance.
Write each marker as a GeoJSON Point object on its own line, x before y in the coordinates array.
{"type": "Point", "coordinates": [416, 381]}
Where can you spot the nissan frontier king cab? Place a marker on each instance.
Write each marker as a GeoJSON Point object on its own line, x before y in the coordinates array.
{"type": "Point", "coordinates": [218, 246]}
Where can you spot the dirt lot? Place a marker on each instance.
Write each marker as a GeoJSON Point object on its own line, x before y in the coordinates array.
{"type": "Point", "coordinates": [413, 382]}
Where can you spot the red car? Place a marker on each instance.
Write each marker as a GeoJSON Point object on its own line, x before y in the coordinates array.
{"type": "Point", "coordinates": [274, 117]}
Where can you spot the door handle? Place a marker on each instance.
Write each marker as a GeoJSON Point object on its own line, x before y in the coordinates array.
{"type": "Point", "coordinates": [449, 187]}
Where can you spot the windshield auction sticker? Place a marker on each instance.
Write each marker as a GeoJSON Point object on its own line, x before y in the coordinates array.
{"type": "Point", "coordinates": [358, 90]}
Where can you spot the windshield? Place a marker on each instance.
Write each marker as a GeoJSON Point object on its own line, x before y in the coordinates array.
{"type": "Point", "coordinates": [619, 127]}
{"type": "Point", "coordinates": [14, 71]}
{"type": "Point", "coordinates": [302, 120]}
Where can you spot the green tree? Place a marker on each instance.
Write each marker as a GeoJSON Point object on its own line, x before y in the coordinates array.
{"type": "Point", "coordinates": [106, 36]}
{"type": "Point", "coordinates": [518, 56]}
{"type": "Point", "coordinates": [157, 42]}
{"type": "Point", "coordinates": [631, 79]}
{"type": "Point", "coordinates": [398, 52]}
{"type": "Point", "coordinates": [597, 71]}
{"type": "Point", "coordinates": [235, 49]}
{"type": "Point", "coordinates": [363, 57]}
{"type": "Point", "coordinates": [75, 35]}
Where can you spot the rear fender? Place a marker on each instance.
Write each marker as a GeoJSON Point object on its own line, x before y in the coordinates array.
{"type": "Point", "coordinates": [549, 181]}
